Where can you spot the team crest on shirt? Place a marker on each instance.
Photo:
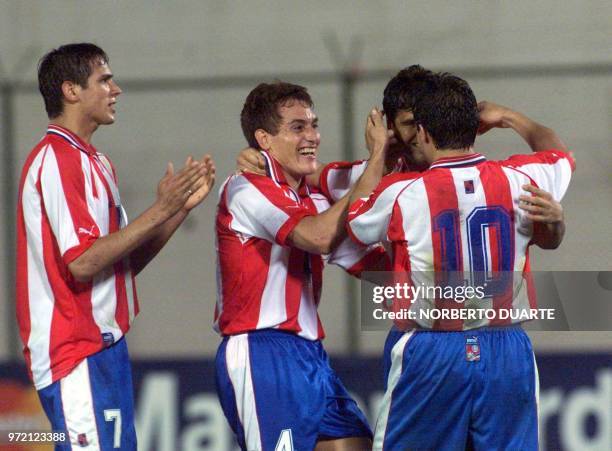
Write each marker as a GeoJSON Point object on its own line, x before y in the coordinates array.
{"type": "Point", "coordinates": [469, 186]}
{"type": "Point", "coordinates": [108, 339]}
{"type": "Point", "coordinates": [82, 440]}
{"type": "Point", "coordinates": [472, 349]}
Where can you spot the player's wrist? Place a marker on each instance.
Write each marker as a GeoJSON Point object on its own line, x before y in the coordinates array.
{"type": "Point", "coordinates": [377, 155]}
{"type": "Point", "coordinates": [160, 213]}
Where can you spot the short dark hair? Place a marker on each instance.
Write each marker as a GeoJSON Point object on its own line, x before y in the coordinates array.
{"type": "Point", "coordinates": [261, 107]}
{"type": "Point", "coordinates": [70, 62]}
{"type": "Point", "coordinates": [448, 110]}
{"type": "Point", "coordinates": [402, 89]}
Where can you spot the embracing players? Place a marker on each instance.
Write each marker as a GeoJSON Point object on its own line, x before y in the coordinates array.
{"type": "Point", "coordinates": [457, 383]}
{"type": "Point", "coordinates": [404, 155]}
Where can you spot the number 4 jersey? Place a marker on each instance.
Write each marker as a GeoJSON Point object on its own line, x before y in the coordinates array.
{"type": "Point", "coordinates": [462, 217]}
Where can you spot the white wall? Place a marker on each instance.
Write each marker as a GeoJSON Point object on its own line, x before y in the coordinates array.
{"type": "Point", "coordinates": [161, 39]}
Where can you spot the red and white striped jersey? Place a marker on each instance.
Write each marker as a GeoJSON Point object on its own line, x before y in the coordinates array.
{"type": "Point", "coordinates": [68, 198]}
{"type": "Point", "coordinates": [338, 177]}
{"type": "Point", "coordinates": [262, 281]}
{"type": "Point", "coordinates": [461, 215]}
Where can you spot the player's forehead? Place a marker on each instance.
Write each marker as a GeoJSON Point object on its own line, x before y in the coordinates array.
{"type": "Point", "coordinates": [99, 68]}
{"type": "Point", "coordinates": [293, 110]}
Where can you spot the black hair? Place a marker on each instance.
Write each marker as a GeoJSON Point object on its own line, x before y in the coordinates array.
{"type": "Point", "coordinates": [401, 91]}
{"type": "Point", "coordinates": [448, 111]}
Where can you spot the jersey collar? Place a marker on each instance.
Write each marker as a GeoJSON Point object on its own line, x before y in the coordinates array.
{"type": "Point", "coordinates": [275, 171]}
{"type": "Point", "coordinates": [459, 162]}
{"type": "Point", "coordinates": [72, 138]}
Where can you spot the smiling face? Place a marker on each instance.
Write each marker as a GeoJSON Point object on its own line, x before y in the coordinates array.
{"type": "Point", "coordinates": [296, 144]}
{"type": "Point", "coordinates": [405, 132]}
{"type": "Point", "coordinates": [97, 100]}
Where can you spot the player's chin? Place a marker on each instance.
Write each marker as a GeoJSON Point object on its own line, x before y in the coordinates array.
{"type": "Point", "coordinates": [107, 119]}
{"type": "Point", "coordinates": [308, 165]}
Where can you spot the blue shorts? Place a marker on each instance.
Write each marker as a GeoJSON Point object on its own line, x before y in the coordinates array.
{"type": "Point", "coordinates": [392, 337]}
{"type": "Point", "coordinates": [474, 389]}
{"type": "Point", "coordinates": [94, 404]}
{"type": "Point", "coordinates": [277, 389]}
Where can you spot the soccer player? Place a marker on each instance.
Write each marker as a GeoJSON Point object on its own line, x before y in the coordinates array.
{"type": "Point", "coordinates": [457, 383]}
{"type": "Point", "coordinates": [77, 256]}
{"type": "Point", "coordinates": [274, 381]}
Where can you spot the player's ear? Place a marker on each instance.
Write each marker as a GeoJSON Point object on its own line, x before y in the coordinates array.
{"type": "Point", "coordinates": [263, 139]}
{"type": "Point", "coordinates": [423, 134]}
{"type": "Point", "coordinates": [71, 91]}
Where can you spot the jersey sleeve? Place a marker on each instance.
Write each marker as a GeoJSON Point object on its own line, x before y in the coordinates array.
{"type": "Point", "coordinates": [368, 218]}
{"type": "Point", "coordinates": [262, 209]}
{"type": "Point", "coordinates": [64, 184]}
{"type": "Point", "coordinates": [356, 258]}
{"type": "Point", "coordinates": [551, 170]}
{"type": "Point", "coordinates": [338, 177]}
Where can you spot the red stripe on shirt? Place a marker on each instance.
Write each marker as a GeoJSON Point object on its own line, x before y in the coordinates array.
{"type": "Point", "coordinates": [21, 282]}
{"type": "Point", "coordinates": [441, 195]}
{"type": "Point", "coordinates": [244, 269]}
{"type": "Point", "coordinates": [498, 193]}
{"type": "Point", "coordinates": [73, 186]}
{"type": "Point", "coordinates": [401, 263]}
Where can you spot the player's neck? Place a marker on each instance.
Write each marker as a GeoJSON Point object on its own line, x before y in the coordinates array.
{"type": "Point", "coordinates": [450, 153]}
{"type": "Point", "coordinates": [293, 182]}
{"type": "Point", "coordinates": [81, 127]}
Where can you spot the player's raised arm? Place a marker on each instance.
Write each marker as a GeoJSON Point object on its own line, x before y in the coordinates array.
{"type": "Point", "coordinates": [321, 233]}
{"type": "Point", "coordinates": [377, 138]}
{"type": "Point", "coordinates": [537, 136]}
{"type": "Point", "coordinates": [540, 207]}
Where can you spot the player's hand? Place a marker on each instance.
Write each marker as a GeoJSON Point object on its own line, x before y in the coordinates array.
{"type": "Point", "coordinates": [540, 206]}
{"type": "Point", "coordinates": [174, 189]}
{"type": "Point", "coordinates": [204, 184]}
{"type": "Point", "coordinates": [492, 115]}
{"type": "Point", "coordinates": [377, 136]}
{"type": "Point", "coordinates": [251, 160]}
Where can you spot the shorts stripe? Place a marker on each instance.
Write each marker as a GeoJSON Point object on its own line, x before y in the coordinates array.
{"type": "Point", "coordinates": [397, 354]}
{"type": "Point", "coordinates": [537, 393]}
{"type": "Point", "coordinates": [237, 359]}
{"type": "Point", "coordinates": [77, 401]}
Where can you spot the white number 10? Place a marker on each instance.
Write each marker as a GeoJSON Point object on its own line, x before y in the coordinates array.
{"type": "Point", "coordinates": [114, 415]}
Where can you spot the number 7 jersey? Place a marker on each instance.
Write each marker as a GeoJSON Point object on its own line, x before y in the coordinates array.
{"type": "Point", "coordinates": [462, 216]}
